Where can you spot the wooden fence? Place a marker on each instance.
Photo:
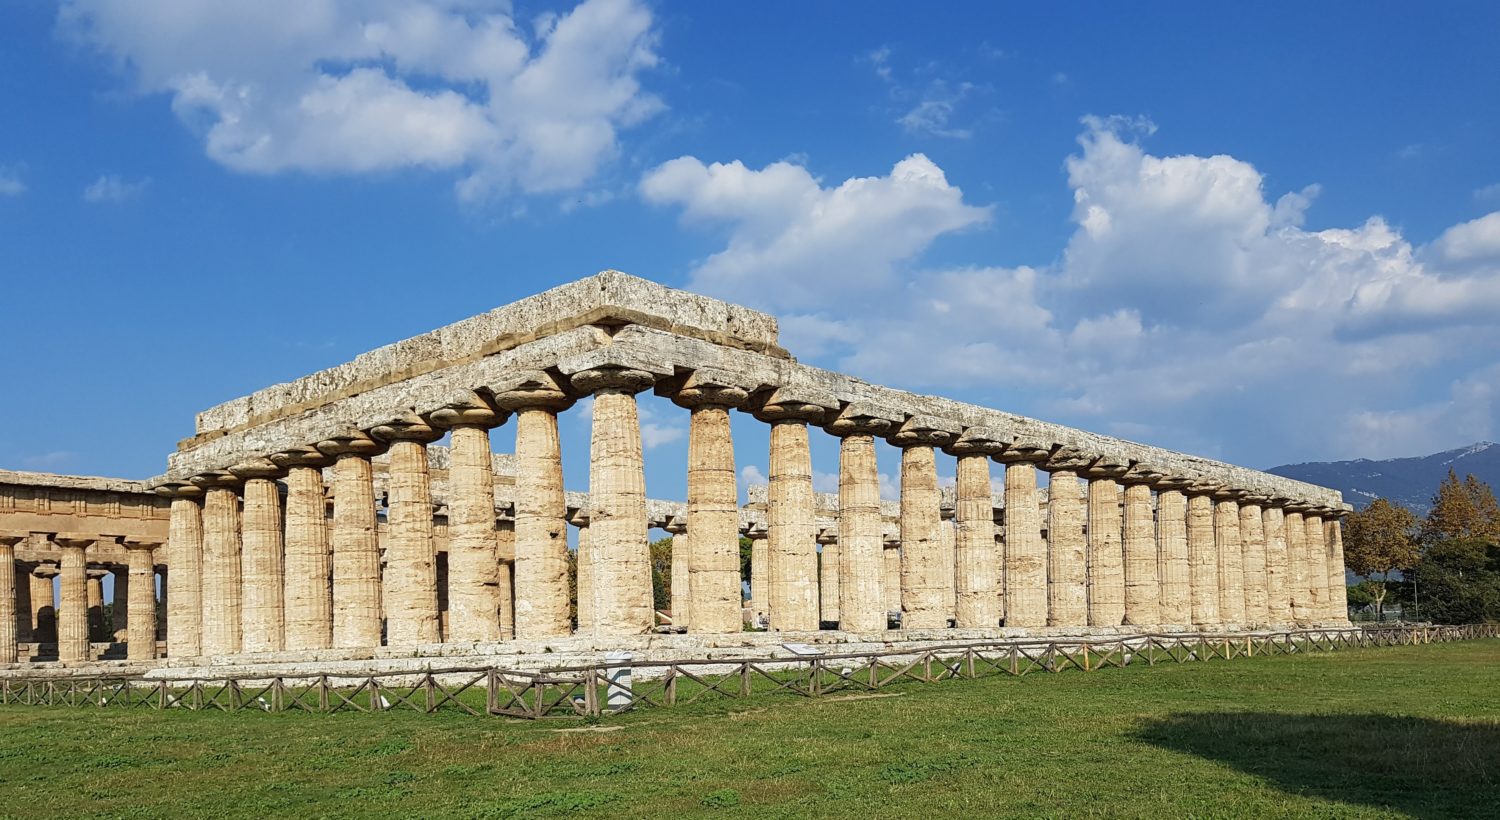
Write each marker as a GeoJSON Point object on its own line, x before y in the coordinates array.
{"type": "Point", "coordinates": [599, 689]}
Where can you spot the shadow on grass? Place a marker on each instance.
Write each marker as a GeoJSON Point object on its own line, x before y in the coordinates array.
{"type": "Point", "coordinates": [1419, 766]}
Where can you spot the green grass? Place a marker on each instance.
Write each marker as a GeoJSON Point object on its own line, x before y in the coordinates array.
{"type": "Point", "coordinates": [1411, 731]}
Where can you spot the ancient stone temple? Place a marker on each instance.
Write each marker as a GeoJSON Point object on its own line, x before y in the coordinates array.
{"type": "Point", "coordinates": [321, 516]}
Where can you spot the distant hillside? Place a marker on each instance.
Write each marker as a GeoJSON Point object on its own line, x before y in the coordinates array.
{"type": "Point", "coordinates": [1410, 481]}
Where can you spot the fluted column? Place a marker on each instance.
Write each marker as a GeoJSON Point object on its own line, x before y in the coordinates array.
{"type": "Point", "coordinates": [505, 575]}
{"type": "Point", "coordinates": [1297, 568]}
{"type": "Point", "coordinates": [221, 598]}
{"type": "Point", "coordinates": [1106, 557]}
{"type": "Point", "coordinates": [1338, 588]}
{"type": "Point", "coordinates": [1067, 574]}
{"type": "Point", "coordinates": [410, 586]}
{"type": "Point", "coordinates": [307, 568]}
{"type": "Point", "coordinates": [43, 608]}
{"type": "Point", "coordinates": [1317, 565]}
{"type": "Point", "coordinates": [618, 550]}
{"type": "Point", "coordinates": [262, 571]}
{"type": "Point", "coordinates": [1278, 587]}
{"type": "Point", "coordinates": [890, 573]}
{"type": "Point", "coordinates": [24, 610]}
{"type": "Point", "coordinates": [760, 575]}
{"type": "Point", "coordinates": [860, 543]}
{"type": "Point", "coordinates": [1253, 536]}
{"type": "Point", "coordinates": [1203, 558]}
{"type": "Point", "coordinates": [356, 552]}
{"type": "Point", "coordinates": [713, 510]}
{"type": "Point", "coordinates": [73, 601]}
{"type": "Point", "coordinates": [1142, 582]}
{"type": "Point", "coordinates": [140, 622]}
{"type": "Point", "coordinates": [976, 583]}
{"type": "Point", "coordinates": [828, 576]}
{"type": "Point", "coordinates": [473, 562]}
{"type": "Point", "coordinates": [118, 613]}
{"type": "Point", "coordinates": [185, 581]}
{"type": "Point", "coordinates": [925, 577]}
{"type": "Point", "coordinates": [791, 526]}
{"type": "Point", "coordinates": [1024, 568]}
{"type": "Point", "coordinates": [98, 628]}
{"type": "Point", "coordinates": [583, 566]}
{"type": "Point", "coordinates": [8, 541]}
{"type": "Point", "coordinates": [1230, 551]}
{"type": "Point", "coordinates": [1173, 562]}
{"type": "Point", "coordinates": [681, 562]}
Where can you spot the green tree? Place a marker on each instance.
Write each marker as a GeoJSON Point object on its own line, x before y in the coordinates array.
{"type": "Point", "coordinates": [1460, 581]}
{"type": "Point", "coordinates": [661, 573]}
{"type": "Point", "coordinates": [1378, 542]}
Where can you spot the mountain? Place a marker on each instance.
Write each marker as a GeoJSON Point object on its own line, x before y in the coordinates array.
{"type": "Point", "coordinates": [1410, 481]}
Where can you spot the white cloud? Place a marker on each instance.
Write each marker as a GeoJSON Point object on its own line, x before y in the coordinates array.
{"type": "Point", "coordinates": [926, 102]}
{"type": "Point", "coordinates": [1488, 192]}
{"type": "Point", "coordinates": [10, 181]}
{"type": "Point", "coordinates": [751, 475]}
{"type": "Point", "coordinates": [336, 86]}
{"type": "Point", "coordinates": [112, 188]}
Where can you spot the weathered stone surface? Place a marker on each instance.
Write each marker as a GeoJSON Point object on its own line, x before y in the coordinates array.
{"type": "Point", "coordinates": [473, 566]}
{"type": "Point", "coordinates": [221, 583]}
{"type": "Point", "coordinates": [713, 519]}
{"type": "Point", "coordinates": [1203, 560]}
{"type": "Point", "coordinates": [73, 603]}
{"type": "Point", "coordinates": [309, 569]}
{"type": "Point", "coordinates": [1317, 566]}
{"type": "Point", "coordinates": [541, 567]}
{"type": "Point", "coordinates": [8, 541]}
{"type": "Point", "coordinates": [977, 600]}
{"type": "Point", "coordinates": [1278, 570]}
{"type": "Point", "coordinates": [1253, 536]}
{"type": "Point", "coordinates": [1175, 563]}
{"type": "Point", "coordinates": [1106, 554]}
{"type": "Point", "coordinates": [1142, 586]}
{"type": "Point", "coordinates": [262, 573]}
{"type": "Point", "coordinates": [829, 560]}
{"type": "Point", "coordinates": [1230, 552]}
{"type": "Point", "coordinates": [1067, 590]}
{"type": "Point", "coordinates": [356, 552]}
{"type": "Point", "coordinates": [924, 576]}
{"type": "Point", "coordinates": [140, 643]}
{"type": "Point", "coordinates": [1297, 568]}
{"type": "Point", "coordinates": [410, 581]}
{"type": "Point", "coordinates": [860, 544]}
{"type": "Point", "coordinates": [792, 528]}
{"type": "Point", "coordinates": [1338, 589]}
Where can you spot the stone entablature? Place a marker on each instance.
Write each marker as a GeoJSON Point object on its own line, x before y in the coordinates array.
{"type": "Point", "coordinates": [107, 508]}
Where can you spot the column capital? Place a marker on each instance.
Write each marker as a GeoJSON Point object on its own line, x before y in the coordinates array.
{"type": "Point", "coordinates": [1255, 500]}
{"type": "Point", "coordinates": [535, 390]}
{"type": "Point", "coordinates": [222, 480]}
{"type": "Point", "coordinates": [857, 419]}
{"type": "Point", "coordinates": [707, 387]}
{"type": "Point", "coordinates": [262, 468]}
{"type": "Point", "coordinates": [1203, 486]}
{"type": "Point", "coordinates": [178, 489]}
{"type": "Point", "coordinates": [1173, 484]}
{"type": "Point", "coordinates": [46, 569]}
{"type": "Point", "coordinates": [828, 537]}
{"type": "Point", "coordinates": [1026, 450]}
{"type": "Point", "coordinates": [351, 443]}
{"type": "Point", "coordinates": [975, 441]}
{"type": "Point", "coordinates": [469, 408]}
{"type": "Point", "coordinates": [300, 457]}
{"type": "Point", "coordinates": [141, 544]}
{"type": "Point", "coordinates": [96, 572]}
{"type": "Point", "coordinates": [407, 428]}
{"type": "Point", "coordinates": [1142, 473]}
{"type": "Point", "coordinates": [74, 540]}
{"type": "Point", "coordinates": [1107, 467]}
{"type": "Point", "coordinates": [612, 377]}
{"type": "Point", "coordinates": [1066, 459]}
{"type": "Point", "coordinates": [1227, 493]}
{"type": "Point", "coordinates": [10, 538]}
{"type": "Point", "coordinates": [1297, 506]}
{"type": "Point", "coordinates": [676, 525]}
{"type": "Point", "coordinates": [925, 431]}
{"type": "Point", "coordinates": [795, 404]}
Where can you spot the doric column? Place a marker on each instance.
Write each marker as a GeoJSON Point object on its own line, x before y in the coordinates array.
{"type": "Point", "coordinates": [307, 568]}
{"type": "Point", "coordinates": [760, 575]}
{"type": "Point", "coordinates": [541, 564]}
{"type": "Point", "coordinates": [828, 576]}
{"type": "Point", "coordinates": [356, 552]}
{"type": "Point", "coordinates": [1106, 557]}
{"type": "Point", "coordinates": [890, 573]}
{"type": "Point", "coordinates": [1067, 573]}
{"type": "Point", "coordinates": [473, 562]}
{"type": "Point", "coordinates": [1230, 552]}
{"type": "Point", "coordinates": [185, 581]}
{"type": "Point", "coordinates": [1203, 557]}
{"type": "Point", "coordinates": [1338, 588]}
{"type": "Point", "coordinates": [713, 508]}
{"type": "Point", "coordinates": [98, 628]}
{"type": "Point", "coordinates": [925, 577]}
{"type": "Point", "coordinates": [262, 571]}
{"type": "Point", "coordinates": [1253, 536]}
{"type": "Point", "coordinates": [583, 573]}
{"type": "Point", "coordinates": [1142, 579]}
{"type": "Point", "coordinates": [221, 583]}
{"type": "Point", "coordinates": [118, 626]}
{"type": "Point", "coordinates": [681, 562]}
{"type": "Point", "coordinates": [860, 543]}
{"type": "Point", "coordinates": [140, 643]}
{"type": "Point", "coordinates": [43, 608]}
{"type": "Point", "coordinates": [505, 576]}
{"type": "Point", "coordinates": [24, 610]}
{"type": "Point", "coordinates": [976, 582]}
{"type": "Point", "coordinates": [791, 525]}
{"type": "Point", "coordinates": [73, 601]}
{"type": "Point", "coordinates": [1317, 564]}
{"type": "Point", "coordinates": [1297, 569]}
{"type": "Point", "coordinates": [1278, 587]}
{"type": "Point", "coordinates": [410, 587]}
{"type": "Point", "coordinates": [8, 541]}
{"type": "Point", "coordinates": [618, 551]}
{"type": "Point", "coordinates": [1023, 581]}
{"type": "Point", "coordinates": [1172, 555]}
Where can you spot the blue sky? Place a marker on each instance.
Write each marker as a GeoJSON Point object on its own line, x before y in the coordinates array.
{"type": "Point", "coordinates": [1266, 234]}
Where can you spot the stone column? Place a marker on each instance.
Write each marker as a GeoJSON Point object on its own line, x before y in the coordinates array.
{"type": "Point", "coordinates": [860, 543]}
{"type": "Point", "coordinates": [72, 609]}
{"type": "Point", "coordinates": [140, 643]}
{"type": "Point", "coordinates": [791, 526]}
{"type": "Point", "coordinates": [1317, 564]}
{"type": "Point", "coordinates": [473, 563]}
{"type": "Point", "coordinates": [98, 628]}
{"type": "Point", "coordinates": [8, 541]}
{"type": "Point", "coordinates": [583, 566]}
{"type": "Point", "coordinates": [713, 509]}
{"type": "Point", "coordinates": [1173, 561]}
{"type": "Point", "coordinates": [505, 575]}
{"type": "Point", "coordinates": [262, 571]}
{"type": "Point", "coordinates": [1067, 578]}
{"type": "Point", "coordinates": [760, 575]}
{"type": "Point", "coordinates": [1338, 588]}
{"type": "Point", "coordinates": [24, 610]}
{"type": "Point", "coordinates": [1230, 552]}
{"type": "Point", "coordinates": [681, 561]}
{"type": "Point", "coordinates": [1278, 588]}
{"type": "Point", "coordinates": [925, 579]}
{"type": "Point", "coordinates": [43, 609]}
{"type": "Point", "coordinates": [890, 574]}
{"type": "Point", "coordinates": [1106, 557]}
{"type": "Point", "coordinates": [185, 556]}
{"type": "Point", "coordinates": [976, 583]}
{"type": "Point", "coordinates": [541, 565]}
{"type": "Point", "coordinates": [118, 625]}
{"type": "Point", "coordinates": [308, 567]}
{"type": "Point", "coordinates": [828, 576]}
{"type": "Point", "coordinates": [410, 587]}
{"type": "Point", "coordinates": [1297, 569]}
{"type": "Point", "coordinates": [1142, 581]}
{"type": "Point", "coordinates": [1253, 535]}
{"type": "Point", "coordinates": [618, 550]}
{"type": "Point", "coordinates": [356, 552]}
{"type": "Point", "coordinates": [1203, 558]}
{"type": "Point", "coordinates": [1024, 602]}
{"type": "Point", "coordinates": [221, 584]}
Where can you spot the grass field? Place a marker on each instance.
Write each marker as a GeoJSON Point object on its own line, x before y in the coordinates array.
{"type": "Point", "coordinates": [1410, 731]}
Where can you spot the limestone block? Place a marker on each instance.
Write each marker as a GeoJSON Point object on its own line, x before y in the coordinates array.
{"type": "Point", "coordinates": [1106, 557]}
{"type": "Point", "coordinates": [1203, 560]}
{"type": "Point", "coordinates": [1142, 585]}
{"type": "Point", "coordinates": [1253, 535]}
{"type": "Point", "coordinates": [1230, 552]}
{"type": "Point", "coordinates": [1176, 586]}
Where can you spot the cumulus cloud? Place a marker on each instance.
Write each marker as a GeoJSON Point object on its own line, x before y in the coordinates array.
{"type": "Point", "coordinates": [336, 86]}
{"type": "Point", "coordinates": [113, 189]}
{"type": "Point", "coordinates": [1190, 307]}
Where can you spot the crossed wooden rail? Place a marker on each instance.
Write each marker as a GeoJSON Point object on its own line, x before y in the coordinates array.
{"type": "Point", "coordinates": [589, 691]}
